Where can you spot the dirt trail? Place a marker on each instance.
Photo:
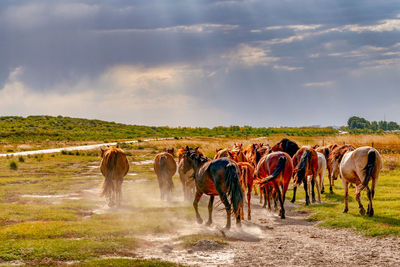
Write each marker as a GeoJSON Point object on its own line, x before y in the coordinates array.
{"type": "Point", "coordinates": [268, 240]}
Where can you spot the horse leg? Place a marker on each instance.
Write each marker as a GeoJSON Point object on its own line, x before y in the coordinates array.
{"type": "Point", "coordinates": [358, 198]}
{"type": "Point", "coordinates": [265, 198]}
{"type": "Point", "coordinates": [294, 194]}
{"type": "Point", "coordinates": [196, 205]}
{"type": "Point", "coordinates": [282, 210]}
{"type": "Point", "coordinates": [210, 209]}
{"type": "Point", "coordinates": [321, 182]}
{"type": "Point", "coordinates": [346, 196]}
{"type": "Point", "coordinates": [318, 184]}
{"type": "Point", "coordinates": [305, 190]}
{"type": "Point", "coordinates": [370, 210]}
{"type": "Point", "coordinates": [274, 196]}
{"type": "Point", "coordinates": [261, 194]}
{"type": "Point", "coordinates": [312, 188]}
{"type": "Point", "coordinates": [224, 200]}
{"type": "Point", "coordinates": [249, 187]}
{"type": "Point", "coordinates": [119, 192]}
{"type": "Point", "coordinates": [330, 182]}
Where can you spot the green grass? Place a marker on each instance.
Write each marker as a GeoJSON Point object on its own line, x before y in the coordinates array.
{"type": "Point", "coordinates": [386, 219]}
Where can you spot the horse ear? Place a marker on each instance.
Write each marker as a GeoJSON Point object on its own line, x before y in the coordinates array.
{"type": "Point", "coordinates": [187, 148]}
{"type": "Point", "coordinates": [197, 148]}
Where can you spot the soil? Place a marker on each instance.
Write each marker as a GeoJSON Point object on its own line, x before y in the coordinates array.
{"type": "Point", "coordinates": [267, 240]}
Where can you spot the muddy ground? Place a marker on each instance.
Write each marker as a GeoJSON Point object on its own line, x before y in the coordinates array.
{"type": "Point", "coordinates": [267, 240]}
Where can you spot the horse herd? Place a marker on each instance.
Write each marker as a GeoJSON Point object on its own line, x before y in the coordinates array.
{"type": "Point", "coordinates": [238, 170]}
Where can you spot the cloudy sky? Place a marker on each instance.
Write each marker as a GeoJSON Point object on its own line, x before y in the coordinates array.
{"type": "Point", "coordinates": [202, 63]}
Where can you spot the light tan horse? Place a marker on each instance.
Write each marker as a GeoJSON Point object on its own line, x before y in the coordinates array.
{"type": "Point", "coordinates": [359, 167]}
{"type": "Point", "coordinates": [165, 168]}
{"type": "Point", "coordinates": [114, 166]}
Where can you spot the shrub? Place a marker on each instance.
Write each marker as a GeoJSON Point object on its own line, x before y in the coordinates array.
{"type": "Point", "coordinates": [63, 152]}
{"type": "Point", "coordinates": [13, 165]}
{"type": "Point", "coordinates": [21, 159]}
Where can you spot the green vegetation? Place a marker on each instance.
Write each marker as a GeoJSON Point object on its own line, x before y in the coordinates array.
{"type": "Point", "coordinates": [360, 125]}
{"type": "Point", "coordinates": [13, 165]}
{"type": "Point", "coordinates": [126, 262]}
{"type": "Point", "coordinates": [38, 128]}
{"type": "Point", "coordinates": [386, 220]}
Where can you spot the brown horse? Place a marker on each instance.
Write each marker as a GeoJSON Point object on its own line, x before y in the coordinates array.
{"type": "Point", "coordinates": [276, 169]}
{"type": "Point", "coordinates": [305, 162]}
{"type": "Point", "coordinates": [186, 175]}
{"type": "Point", "coordinates": [287, 146]}
{"type": "Point", "coordinates": [221, 153]}
{"type": "Point", "coordinates": [246, 176]}
{"type": "Point", "coordinates": [216, 177]}
{"type": "Point", "coordinates": [114, 166]}
{"type": "Point", "coordinates": [165, 168]}
{"type": "Point", "coordinates": [335, 157]}
{"type": "Point", "coordinates": [359, 167]}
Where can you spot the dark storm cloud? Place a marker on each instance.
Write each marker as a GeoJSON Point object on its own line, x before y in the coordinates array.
{"type": "Point", "coordinates": [256, 62]}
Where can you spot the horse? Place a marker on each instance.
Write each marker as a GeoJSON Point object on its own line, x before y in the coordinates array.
{"type": "Point", "coordinates": [220, 153]}
{"type": "Point", "coordinates": [359, 167]}
{"type": "Point", "coordinates": [335, 157]}
{"type": "Point", "coordinates": [237, 155]}
{"type": "Point", "coordinates": [186, 175]}
{"type": "Point", "coordinates": [306, 163]}
{"type": "Point", "coordinates": [286, 145]}
{"type": "Point", "coordinates": [325, 151]}
{"type": "Point", "coordinates": [165, 168]}
{"type": "Point", "coordinates": [320, 173]}
{"type": "Point", "coordinates": [114, 166]}
{"type": "Point", "coordinates": [276, 169]}
{"type": "Point", "coordinates": [246, 176]}
{"type": "Point", "coordinates": [216, 177]}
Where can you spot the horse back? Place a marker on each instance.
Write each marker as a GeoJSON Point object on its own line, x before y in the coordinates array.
{"type": "Point", "coordinates": [114, 163]}
{"type": "Point", "coordinates": [169, 161]}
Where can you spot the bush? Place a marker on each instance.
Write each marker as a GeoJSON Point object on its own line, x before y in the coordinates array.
{"type": "Point", "coordinates": [13, 165]}
{"type": "Point", "coordinates": [63, 152]}
{"type": "Point", "coordinates": [21, 159]}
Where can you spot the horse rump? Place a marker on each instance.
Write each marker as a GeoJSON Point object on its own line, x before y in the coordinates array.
{"type": "Point", "coordinates": [280, 168]}
{"type": "Point", "coordinates": [111, 159]}
{"type": "Point", "coordinates": [301, 170]}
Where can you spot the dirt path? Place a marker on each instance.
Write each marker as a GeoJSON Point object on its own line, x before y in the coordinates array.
{"type": "Point", "coordinates": [269, 241]}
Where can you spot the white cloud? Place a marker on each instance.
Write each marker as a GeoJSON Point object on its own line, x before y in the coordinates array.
{"type": "Point", "coordinates": [195, 28]}
{"type": "Point", "coordinates": [319, 84]}
{"type": "Point", "coordinates": [287, 68]}
{"type": "Point", "coordinates": [297, 27]}
{"type": "Point", "coordinates": [248, 55]}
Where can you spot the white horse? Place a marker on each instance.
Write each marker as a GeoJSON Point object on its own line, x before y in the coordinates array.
{"type": "Point", "coordinates": [359, 167]}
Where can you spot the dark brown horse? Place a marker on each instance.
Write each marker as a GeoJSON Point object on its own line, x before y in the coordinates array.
{"type": "Point", "coordinates": [305, 162]}
{"type": "Point", "coordinates": [114, 166]}
{"type": "Point", "coordinates": [165, 168]}
{"type": "Point", "coordinates": [287, 146]}
{"type": "Point", "coordinates": [216, 177]}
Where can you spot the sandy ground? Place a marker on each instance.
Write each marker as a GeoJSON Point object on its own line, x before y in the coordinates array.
{"type": "Point", "coordinates": [269, 241]}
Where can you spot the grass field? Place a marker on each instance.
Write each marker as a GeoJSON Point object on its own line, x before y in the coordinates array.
{"type": "Point", "coordinates": [50, 211]}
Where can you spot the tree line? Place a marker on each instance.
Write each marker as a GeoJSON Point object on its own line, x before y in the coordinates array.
{"type": "Point", "coordinates": [357, 124]}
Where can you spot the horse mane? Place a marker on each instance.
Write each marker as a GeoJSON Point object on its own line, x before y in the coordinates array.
{"type": "Point", "coordinates": [289, 146]}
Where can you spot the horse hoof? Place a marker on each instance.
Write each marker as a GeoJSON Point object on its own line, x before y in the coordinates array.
{"type": "Point", "coordinates": [371, 213]}
{"type": "Point", "coordinates": [199, 220]}
{"type": "Point", "coordinates": [249, 218]}
{"type": "Point", "coordinates": [362, 211]}
{"type": "Point", "coordinates": [313, 200]}
{"type": "Point", "coordinates": [293, 200]}
{"type": "Point", "coordinates": [208, 223]}
{"type": "Point", "coordinates": [322, 191]}
{"type": "Point", "coordinates": [345, 210]}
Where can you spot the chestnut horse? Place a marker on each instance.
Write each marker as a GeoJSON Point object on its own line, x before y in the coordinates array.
{"type": "Point", "coordinates": [186, 175]}
{"type": "Point", "coordinates": [287, 146]}
{"type": "Point", "coordinates": [276, 169]}
{"type": "Point", "coordinates": [305, 162]}
{"type": "Point", "coordinates": [335, 157]}
{"type": "Point", "coordinates": [165, 168]}
{"type": "Point", "coordinates": [359, 167]}
{"type": "Point", "coordinates": [246, 176]}
{"type": "Point", "coordinates": [114, 166]}
{"type": "Point", "coordinates": [216, 177]}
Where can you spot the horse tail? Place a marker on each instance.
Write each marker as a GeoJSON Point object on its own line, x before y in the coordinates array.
{"type": "Point", "coordinates": [326, 153]}
{"type": "Point", "coordinates": [280, 168]}
{"type": "Point", "coordinates": [165, 173]}
{"type": "Point", "coordinates": [111, 163]}
{"type": "Point", "coordinates": [369, 168]}
{"type": "Point", "coordinates": [305, 159]}
{"type": "Point", "coordinates": [233, 185]}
